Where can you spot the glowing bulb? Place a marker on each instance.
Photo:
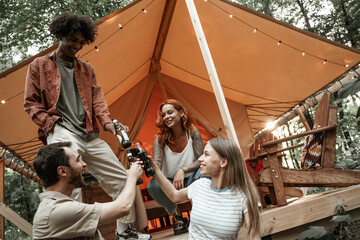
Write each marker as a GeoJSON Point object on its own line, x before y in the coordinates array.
{"type": "Point", "coordinates": [144, 10]}
{"type": "Point", "coordinates": [270, 125]}
{"type": "Point", "coordinates": [255, 29]}
{"type": "Point", "coordinates": [324, 61]}
{"type": "Point", "coordinates": [303, 53]}
{"type": "Point", "coordinates": [120, 26]}
{"type": "Point", "coordinates": [3, 101]}
{"type": "Point", "coordinates": [279, 42]}
{"type": "Point", "coordinates": [347, 65]}
{"type": "Point", "coordinates": [230, 16]}
{"type": "Point", "coordinates": [96, 48]}
{"type": "Point", "coordinates": [205, 0]}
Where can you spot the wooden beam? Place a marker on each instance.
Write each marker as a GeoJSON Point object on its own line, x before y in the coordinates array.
{"type": "Point", "coordinates": [308, 103]}
{"type": "Point", "coordinates": [163, 29]}
{"type": "Point", "coordinates": [16, 219]}
{"type": "Point", "coordinates": [210, 66]}
{"type": "Point", "coordinates": [321, 129]}
{"type": "Point", "coordinates": [324, 177]}
{"type": "Point", "coordinates": [2, 198]}
{"type": "Point", "coordinates": [303, 119]}
{"type": "Point", "coordinates": [306, 209]}
{"type": "Point", "coordinates": [28, 173]}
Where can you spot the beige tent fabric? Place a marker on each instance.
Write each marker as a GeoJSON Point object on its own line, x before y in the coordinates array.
{"type": "Point", "coordinates": [203, 106]}
{"type": "Point", "coordinates": [261, 80]}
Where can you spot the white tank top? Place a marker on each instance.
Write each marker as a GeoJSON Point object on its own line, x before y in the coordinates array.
{"type": "Point", "coordinates": [173, 161]}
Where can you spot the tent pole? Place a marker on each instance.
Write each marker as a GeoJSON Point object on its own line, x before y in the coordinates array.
{"type": "Point", "coordinates": [210, 66]}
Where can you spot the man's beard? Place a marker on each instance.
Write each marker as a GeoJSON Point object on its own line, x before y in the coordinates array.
{"type": "Point", "coordinates": [76, 179]}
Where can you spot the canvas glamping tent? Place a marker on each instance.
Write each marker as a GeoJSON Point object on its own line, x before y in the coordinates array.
{"type": "Point", "coordinates": [149, 50]}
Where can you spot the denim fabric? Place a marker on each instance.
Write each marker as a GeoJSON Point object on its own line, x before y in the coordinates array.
{"type": "Point", "coordinates": [160, 197]}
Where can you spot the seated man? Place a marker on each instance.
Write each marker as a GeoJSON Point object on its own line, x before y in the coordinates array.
{"type": "Point", "coordinates": [59, 217]}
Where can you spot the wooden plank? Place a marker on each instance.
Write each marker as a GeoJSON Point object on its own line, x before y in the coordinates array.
{"type": "Point", "coordinates": [16, 219]}
{"type": "Point", "coordinates": [305, 210]}
{"type": "Point", "coordinates": [2, 198]}
{"type": "Point", "coordinates": [303, 119]}
{"type": "Point", "coordinates": [322, 113]}
{"type": "Point", "coordinates": [210, 66]}
{"type": "Point", "coordinates": [276, 177]}
{"type": "Point", "coordinates": [325, 177]}
{"type": "Point", "coordinates": [329, 148]}
{"type": "Point", "coordinates": [322, 129]}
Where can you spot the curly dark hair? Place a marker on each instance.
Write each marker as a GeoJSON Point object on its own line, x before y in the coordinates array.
{"type": "Point", "coordinates": [68, 23]}
{"type": "Point", "coordinates": [48, 159]}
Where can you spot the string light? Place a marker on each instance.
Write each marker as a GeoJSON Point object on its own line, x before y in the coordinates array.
{"type": "Point", "coordinates": [120, 26]}
{"type": "Point", "coordinates": [279, 42]}
{"type": "Point", "coordinates": [144, 10]}
{"type": "Point", "coordinates": [3, 101]}
{"type": "Point", "coordinates": [96, 48]}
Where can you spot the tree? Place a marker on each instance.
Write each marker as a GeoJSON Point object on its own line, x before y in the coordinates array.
{"type": "Point", "coordinates": [24, 24]}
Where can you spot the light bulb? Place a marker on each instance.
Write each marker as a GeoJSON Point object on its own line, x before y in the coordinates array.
{"type": "Point", "coordinates": [324, 61]}
{"type": "Point", "coordinates": [144, 10]}
{"type": "Point", "coordinates": [120, 26]}
{"type": "Point", "coordinates": [255, 29]}
{"type": "Point", "coordinates": [230, 16]}
{"type": "Point", "coordinates": [279, 42]}
{"type": "Point", "coordinates": [303, 53]}
{"type": "Point", "coordinates": [3, 101]}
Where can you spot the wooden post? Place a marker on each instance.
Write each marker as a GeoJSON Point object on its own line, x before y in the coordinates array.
{"type": "Point", "coordinates": [219, 95]}
{"type": "Point", "coordinates": [2, 199]}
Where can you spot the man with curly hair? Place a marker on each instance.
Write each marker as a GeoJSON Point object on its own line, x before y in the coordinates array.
{"type": "Point", "coordinates": [63, 97]}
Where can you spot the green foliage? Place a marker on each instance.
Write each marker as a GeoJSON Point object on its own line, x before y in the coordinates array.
{"type": "Point", "coordinates": [316, 233]}
{"type": "Point", "coordinates": [24, 24]}
{"type": "Point", "coordinates": [339, 232]}
{"type": "Point", "coordinates": [22, 196]}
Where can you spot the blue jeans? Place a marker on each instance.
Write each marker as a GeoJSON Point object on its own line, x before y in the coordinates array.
{"type": "Point", "coordinates": [160, 197]}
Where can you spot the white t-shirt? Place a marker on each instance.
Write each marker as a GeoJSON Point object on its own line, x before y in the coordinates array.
{"type": "Point", "coordinates": [216, 213]}
{"type": "Point", "coordinates": [173, 161]}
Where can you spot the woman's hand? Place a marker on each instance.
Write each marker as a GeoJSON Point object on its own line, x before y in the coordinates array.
{"type": "Point", "coordinates": [178, 181]}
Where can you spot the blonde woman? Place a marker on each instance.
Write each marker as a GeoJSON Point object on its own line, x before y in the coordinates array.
{"type": "Point", "coordinates": [223, 204]}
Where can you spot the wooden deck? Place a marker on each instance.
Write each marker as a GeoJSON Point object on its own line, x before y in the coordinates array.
{"type": "Point", "coordinates": [287, 222]}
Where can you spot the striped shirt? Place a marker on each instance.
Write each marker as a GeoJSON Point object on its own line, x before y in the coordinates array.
{"type": "Point", "coordinates": [216, 213]}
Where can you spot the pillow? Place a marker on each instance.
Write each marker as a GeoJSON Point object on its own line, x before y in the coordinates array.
{"type": "Point", "coordinates": [311, 154]}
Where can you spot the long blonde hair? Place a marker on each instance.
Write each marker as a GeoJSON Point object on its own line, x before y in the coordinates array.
{"type": "Point", "coordinates": [238, 178]}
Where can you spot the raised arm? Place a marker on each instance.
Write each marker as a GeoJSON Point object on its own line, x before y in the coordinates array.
{"type": "Point", "coordinates": [123, 203]}
{"type": "Point", "coordinates": [169, 189]}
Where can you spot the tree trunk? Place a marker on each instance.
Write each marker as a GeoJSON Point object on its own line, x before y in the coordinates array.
{"type": "Point", "coordinates": [305, 15]}
{"type": "Point", "coordinates": [352, 32]}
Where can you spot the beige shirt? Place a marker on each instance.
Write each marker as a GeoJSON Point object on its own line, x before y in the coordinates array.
{"type": "Point", "coordinates": [60, 217]}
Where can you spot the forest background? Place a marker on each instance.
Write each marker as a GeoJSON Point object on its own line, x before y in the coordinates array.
{"type": "Point", "coordinates": [24, 32]}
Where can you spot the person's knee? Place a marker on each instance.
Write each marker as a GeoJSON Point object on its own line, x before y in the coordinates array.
{"type": "Point", "coordinates": [153, 187]}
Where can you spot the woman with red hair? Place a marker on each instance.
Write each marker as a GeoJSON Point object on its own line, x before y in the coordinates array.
{"type": "Point", "coordinates": [176, 149]}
